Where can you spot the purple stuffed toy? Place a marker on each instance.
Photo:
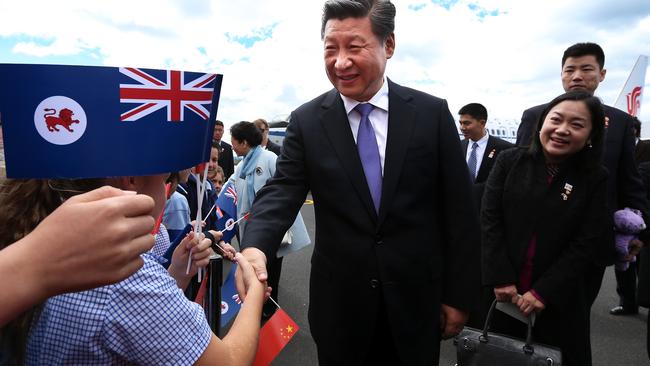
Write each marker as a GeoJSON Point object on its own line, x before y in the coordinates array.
{"type": "Point", "coordinates": [628, 223]}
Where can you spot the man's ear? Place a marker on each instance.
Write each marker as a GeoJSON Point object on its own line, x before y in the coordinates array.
{"type": "Point", "coordinates": [389, 45]}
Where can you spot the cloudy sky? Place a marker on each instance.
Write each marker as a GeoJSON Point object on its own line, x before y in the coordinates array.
{"type": "Point", "coordinates": [503, 53]}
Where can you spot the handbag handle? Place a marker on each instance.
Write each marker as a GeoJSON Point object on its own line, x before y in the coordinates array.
{"type": "Point", "coordinates": [528, 346]}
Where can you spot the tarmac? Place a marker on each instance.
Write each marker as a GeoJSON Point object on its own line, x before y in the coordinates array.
{"type": "Point", "coordinates": [616, 340]}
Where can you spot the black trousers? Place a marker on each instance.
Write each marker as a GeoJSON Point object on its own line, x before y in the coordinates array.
{"type": "Point", "coordinates": [626, 287]}
{"type": "Point", "coordinates": [274, 270]}
{"type": "Point", "coordinates": [382, 350]}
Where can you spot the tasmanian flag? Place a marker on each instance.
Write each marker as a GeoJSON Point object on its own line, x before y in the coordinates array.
{"type": "Point", "coordinates": [88, 121]}
{"type": "Point", "coordinates": [274, 336]}
{"type": "Point", "coordinates": [230, 302]}
{"type": "Point", "coordinates": [227, 211]}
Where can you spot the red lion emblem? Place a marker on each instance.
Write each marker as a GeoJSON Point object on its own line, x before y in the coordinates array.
{"type": "Point", "coordinates": [64, 119]}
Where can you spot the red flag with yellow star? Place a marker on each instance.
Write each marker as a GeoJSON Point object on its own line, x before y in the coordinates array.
{"type": "Point", "coordinates": [274, 335]}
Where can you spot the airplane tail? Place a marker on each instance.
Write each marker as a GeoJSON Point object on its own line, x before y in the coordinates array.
{"type": "Point", "coordinates": [632, 93]}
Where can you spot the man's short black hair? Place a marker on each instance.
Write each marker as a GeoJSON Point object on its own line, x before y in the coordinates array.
{"type": "Point", "coordinates": [218, 123]}
{"type": "Point", "coordinates": [585, 49]}
{"type": "Point", "coordinates": [476, 110]}
{"type": "Point", "coordinates": [381, 13]}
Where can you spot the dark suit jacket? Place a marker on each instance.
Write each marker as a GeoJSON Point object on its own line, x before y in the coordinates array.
{"type": "Point", "coordinates": [411, 256]}
{"type": "Point", "coordinates": [519, 204]}
{"type": "Point", "coordinates": [624, 186]}
{"type": "Point", "coordinates": [226, 161]}
{"type": "Point", "coordinates": [642, 151]}
{"type": "Point", "coordinates": [494, 146]}
{"type": "Point", "coordinates": [644, 265]}
{"type": "Point", "coordinates": [273, 147]}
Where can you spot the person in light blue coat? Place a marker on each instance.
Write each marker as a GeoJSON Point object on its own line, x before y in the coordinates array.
{"type": "Point", "coordinates": [258, 166]}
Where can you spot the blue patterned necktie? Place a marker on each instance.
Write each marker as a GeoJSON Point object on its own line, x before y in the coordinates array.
{"type": "Point", "coordinates": [471, 162]}
{"type": "Point", "coordinates": [369, 153]}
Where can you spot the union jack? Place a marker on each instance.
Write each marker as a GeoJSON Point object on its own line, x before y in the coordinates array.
{"type": "Point", "coordinates": [153, 94]}
{"type": "Point", "coordinates": [230, 192]}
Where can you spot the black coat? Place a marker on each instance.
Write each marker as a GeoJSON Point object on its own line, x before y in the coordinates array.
{"type": "Point", "coordinates": [519, 204]}
{"type": "Point", "coordinates": [624, 186]}
{"type": "Point", "coordinates": [226, 160]}
{"type": "Point", "coordinates": [413, 255]}
{"type": "Point", "coordinates": [642, 151]}
{"type": "Point", "coordinates": [273, 147]}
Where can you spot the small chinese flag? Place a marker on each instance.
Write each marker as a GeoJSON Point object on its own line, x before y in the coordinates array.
{"type": "Point", "coordinates": [275, 334]}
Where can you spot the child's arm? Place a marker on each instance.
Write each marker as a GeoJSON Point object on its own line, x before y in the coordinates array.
{"type": "Point", "coordinates": [239, 345]}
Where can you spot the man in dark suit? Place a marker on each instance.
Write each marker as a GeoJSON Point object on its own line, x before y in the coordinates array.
{"type": "Point", "coordinates": [483, 148]}
{"type": "Point", "coordinates": [226, 161]}
{"type": "Point", "coordinates": [583, 69]}
{"type": "Point", "coordinates": [395, 224]}
{"type": "Point", "coordinates": [480, 157]}
{"type": "Point", "coordinates": [266, 143]}
{"type": "Point", "coordinates": [642, 148]}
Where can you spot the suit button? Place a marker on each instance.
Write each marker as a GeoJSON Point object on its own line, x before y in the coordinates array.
{"type": "Point", "coordinates": [374, 283]}
{"type": "Point", "coordinates": [379, 240]}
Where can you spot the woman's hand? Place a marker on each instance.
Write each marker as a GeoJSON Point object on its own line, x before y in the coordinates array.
{"type": "Point", "coordinates": [507, 293]}
{"type": "Point", "coordinates": [529, 303]}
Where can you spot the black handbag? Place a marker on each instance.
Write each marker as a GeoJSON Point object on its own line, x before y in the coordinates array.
{"type": "Point", "coordinates": [475, 347]}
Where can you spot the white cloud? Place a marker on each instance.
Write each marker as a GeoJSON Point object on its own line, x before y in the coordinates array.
{"type": "Point", "coordinates": [508, 62]}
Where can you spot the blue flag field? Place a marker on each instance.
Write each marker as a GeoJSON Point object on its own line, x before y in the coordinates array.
{"type": "Point", "coordinates": [90, 122]}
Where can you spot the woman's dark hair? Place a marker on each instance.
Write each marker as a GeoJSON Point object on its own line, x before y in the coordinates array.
{"type": "Point", "coordinates": [590, 155]}
{"type": "Point", "coordinates": [246, 131]}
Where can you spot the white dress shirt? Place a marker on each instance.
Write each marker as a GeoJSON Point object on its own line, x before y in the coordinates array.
{"type": "Point", "coordinates": [378, 118]}
{"type": "Point", "coordinates": [480, 150]}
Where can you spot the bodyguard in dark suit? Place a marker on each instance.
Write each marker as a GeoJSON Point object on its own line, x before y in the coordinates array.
{"type": "Point", "coordinates": [480, 156]}
{"type": "Point", "coordinates": [582, 69]}
{"type": "Point", "coordinates": [395, 224]}
{"type": "Point", "coordinates": [472, 120]}
{"type": "Point", "coordinates": [226, 160]}
{"type": "Point", "coordinates": [644, 265]}
{"type": "Point", "coordinates": [642, 148]}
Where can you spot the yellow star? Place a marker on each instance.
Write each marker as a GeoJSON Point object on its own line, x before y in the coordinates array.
{"type": "Point", "coordinates": [289, 329]}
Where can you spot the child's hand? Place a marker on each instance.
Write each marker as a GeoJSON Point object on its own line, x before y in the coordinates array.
{"type": "Point", "coordinates": [196, 245]}
{"type": "Point", "coordinates": [248, 276]}
{"type": "Point", "coordinates": [228, 251]}
{"type": "Point", "coordinates": [193, 222]}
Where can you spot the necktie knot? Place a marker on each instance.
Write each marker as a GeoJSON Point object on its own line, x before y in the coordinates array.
{"type": "Point", "coordinates": [364, 109]}
{"type": "Point", "coordinates": [474, 145]}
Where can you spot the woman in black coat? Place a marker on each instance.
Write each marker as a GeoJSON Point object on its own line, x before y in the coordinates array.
{"type": "Point", "coordinates": [544, 218]}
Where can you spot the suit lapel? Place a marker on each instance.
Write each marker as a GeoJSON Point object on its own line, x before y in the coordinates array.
{"type": "Point", "coordinates": [337, 129]}
{"type": "Point", "coordinates": [464, 144]}
{"type": "Point", "coordinates": [401, 122]}
{"type": "Point", "coordinates": [486, 162]}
